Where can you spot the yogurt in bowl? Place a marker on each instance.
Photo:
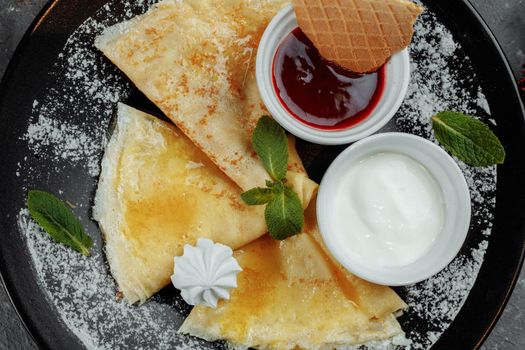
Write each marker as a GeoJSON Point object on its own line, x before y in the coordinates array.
{"type": "Point", "coordinates": [318, 101]}
{"type": "Point", "coordinates": [394, 209]}
{"type": "Point", "coordinates": [390, 209]}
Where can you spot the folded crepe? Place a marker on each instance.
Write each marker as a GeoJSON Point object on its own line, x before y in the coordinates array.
{"type": "Point", "coordinates": [292, 294]}
{"type": "Point", "coordinates": [157, 192]}
{"type": "Point", "coordinates": [195, 59]}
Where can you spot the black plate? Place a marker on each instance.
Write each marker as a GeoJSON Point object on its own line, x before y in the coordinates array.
{"type": "Point", "coordinates": [29, 73]}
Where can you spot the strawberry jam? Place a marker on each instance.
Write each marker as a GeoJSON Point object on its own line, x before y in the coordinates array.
{"type": "Point", "coordinates": [319, 93]}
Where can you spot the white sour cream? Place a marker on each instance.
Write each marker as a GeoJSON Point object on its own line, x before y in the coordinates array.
{"type": "Point", "coordinates": [388, 210]}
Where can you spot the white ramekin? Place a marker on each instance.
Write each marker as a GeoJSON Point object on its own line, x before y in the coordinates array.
{"type": "Point", "coordinates": [396, 86]}
{"type": "Point", "coordinates": [455, 195]}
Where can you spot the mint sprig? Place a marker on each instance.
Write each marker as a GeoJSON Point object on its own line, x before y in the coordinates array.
{"type": "Point", "coordinates": [468, 139]}
{"type": "Point", "coordinates": [57, 219]}
{"type": "Point", "coordinates": [284, 213]}
{"type": "Point", "coordinates": [270, 143]}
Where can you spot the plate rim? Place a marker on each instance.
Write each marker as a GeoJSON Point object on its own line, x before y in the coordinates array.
{"type": "Point", "coordinates": [6, 79]}
{"type": "Point", "coordinates": [6, 283]}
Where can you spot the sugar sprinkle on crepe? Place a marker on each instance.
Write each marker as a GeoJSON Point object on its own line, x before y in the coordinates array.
{"type": "Point", "coordinates": [83, 292]}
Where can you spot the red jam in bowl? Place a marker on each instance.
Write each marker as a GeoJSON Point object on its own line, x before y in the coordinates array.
{"type": "Point", "coordinates": [320, 93]}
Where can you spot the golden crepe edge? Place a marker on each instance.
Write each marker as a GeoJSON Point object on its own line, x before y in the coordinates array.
{"type": "Point", "coordinates": [107, 212]}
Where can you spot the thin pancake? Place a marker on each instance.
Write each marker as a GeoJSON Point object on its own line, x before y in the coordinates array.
{"type": "Point", "coordinates": [289, 296]}
{"type": "Point", "coordinates": [195, 59]}
{"type": "Point", "coordinates": [294, 294]}
{"type": "Point", "coordinates": [158, 191]}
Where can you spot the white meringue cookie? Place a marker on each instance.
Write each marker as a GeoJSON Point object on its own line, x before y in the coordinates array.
{"type": "Point", "coordinates": [205, 273]}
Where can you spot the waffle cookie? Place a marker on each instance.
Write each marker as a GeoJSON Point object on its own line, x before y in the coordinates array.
{"type": "Point", "coordinates": [359, 35]}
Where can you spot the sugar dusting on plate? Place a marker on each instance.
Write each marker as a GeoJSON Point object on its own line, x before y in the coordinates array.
{"type": "Point", "coordinates": [84, 295]}
{"type": "Point", "coordinates": [436, 85]}
{"type": "Point", "coordinates": [69, 128]}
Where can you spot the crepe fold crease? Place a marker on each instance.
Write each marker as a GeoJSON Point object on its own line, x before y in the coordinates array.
{"type": "Point", "coordinates": [195, 59]}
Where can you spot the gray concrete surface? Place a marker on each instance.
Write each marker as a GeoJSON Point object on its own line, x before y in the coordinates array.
{"type": "Point", "coordinates": [505, 17]}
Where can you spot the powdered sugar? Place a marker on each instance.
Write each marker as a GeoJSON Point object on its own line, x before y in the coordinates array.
{"type": "Point", "coordinates": [54, 132]}
{"type": "Point", "coordinates": [83, 292]}
{"type": "Point", "coordinates": [48, 133]}
{"type": "Point", "coordinates": [69, 128]}
{"type": "Point", "coordinates": [440, 82]}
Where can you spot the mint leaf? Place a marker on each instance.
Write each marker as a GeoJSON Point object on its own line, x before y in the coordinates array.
{"type": "Point", "coordinates": [257, 196]}
{"type": "Point", "coordinates": [468, 139]}
{"type": "Point", "coordinates": [284, 214]}
{"type": "Point", "coordinates": [58, 221]}
{"type": "Point", "coordinates": [270, 142]}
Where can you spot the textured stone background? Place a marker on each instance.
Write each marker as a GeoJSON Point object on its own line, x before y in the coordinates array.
{"type": "Point", "coordinates": [505, 17]}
